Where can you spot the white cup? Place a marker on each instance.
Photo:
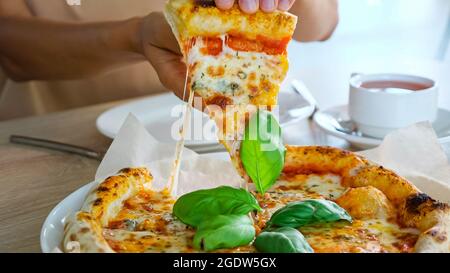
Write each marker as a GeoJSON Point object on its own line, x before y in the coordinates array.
{"type": "Point", "coordinates": [377, 112]}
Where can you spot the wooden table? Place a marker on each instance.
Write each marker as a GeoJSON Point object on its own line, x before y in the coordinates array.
{"type": "Point", "coordinates": [34, 180]}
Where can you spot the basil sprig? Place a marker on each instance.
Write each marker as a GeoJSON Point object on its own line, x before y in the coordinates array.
{"type": "Point", "coordinates": [224, 231]}
{"type": "Point", "coordinates": [220, 216]}
{"type": "Point", "coordinates": [197, 207]}
{"type": "Point", "coordinates": [286, 239]}
{"type": "Point", "coordinates": [262, 150]}
{"type": "Point", "coordinates": [298, 214]}
{"type": "Point", "coordinates": [282, 240]}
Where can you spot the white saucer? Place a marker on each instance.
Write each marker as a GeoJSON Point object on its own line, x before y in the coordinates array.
{"type": "Point", "coordinates": [156, 114]}
{"type": "Point", "coordinates": [327, 118]}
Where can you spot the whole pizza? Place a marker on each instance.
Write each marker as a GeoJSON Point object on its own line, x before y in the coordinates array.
{"type": "Point", "coordinates": [326, 200]}
{"type": "Point", "coordinates": [296, 199]}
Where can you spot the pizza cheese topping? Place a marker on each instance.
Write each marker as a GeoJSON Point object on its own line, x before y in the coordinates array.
{"type": "Point", "coordinates": [146, 223]}
{"type": "Point", "coordinates": [242, 77]}
{"type": "Point", "coordinates": [362, 236]}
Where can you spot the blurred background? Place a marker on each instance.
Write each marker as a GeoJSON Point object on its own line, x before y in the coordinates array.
{"type": "Point", "coordinates": [409, 36]}
{"type": "Point", "coordinates": [387, 28]}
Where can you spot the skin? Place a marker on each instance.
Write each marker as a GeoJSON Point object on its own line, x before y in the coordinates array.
{"type": "Point", "coordinates": [87, 49]}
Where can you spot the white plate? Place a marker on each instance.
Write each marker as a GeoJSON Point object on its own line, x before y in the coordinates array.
{"type": "Point", "coordinates": [326, 118]}
{"type": "Point", "coordinates": [53, 228]}
{"type": "Point", "coordinates": [156, 114]}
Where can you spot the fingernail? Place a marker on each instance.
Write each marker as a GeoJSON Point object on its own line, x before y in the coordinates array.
{"type": "Point", "coordinates": [268, 5]}
{"type": "Point", "coordinates": [225, 4]}
{"type": "Point", "coordinates": [285, 5]}
{"type": "Point", "coordinates": [249, 6]}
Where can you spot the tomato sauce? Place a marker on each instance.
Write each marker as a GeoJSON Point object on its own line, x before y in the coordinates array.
{"type": "Point", "coordinates": [213, 46]}
{"type": "Point", "coordinates": [261, 44]}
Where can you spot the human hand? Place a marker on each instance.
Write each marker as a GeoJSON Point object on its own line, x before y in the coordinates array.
{"type": "Point", "coordinates": [160, 47]}
{"type": "Point", "coordinates": [252, 6]}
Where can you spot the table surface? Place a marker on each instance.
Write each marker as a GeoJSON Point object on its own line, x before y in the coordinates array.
{"type": "Point", "coordinates": [34, 180]}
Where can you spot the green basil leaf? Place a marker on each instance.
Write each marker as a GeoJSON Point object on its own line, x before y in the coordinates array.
{"type": "Point", "coordinates": [196, 207]}
{"type": "Point", "coordinates": [262, 150]}
{"type": "Point", "coordinates": [298, 214]}
{"type": "Point", "coordinates": [224, 231]}
{"type": "Point", "coordinates": [282, 240]}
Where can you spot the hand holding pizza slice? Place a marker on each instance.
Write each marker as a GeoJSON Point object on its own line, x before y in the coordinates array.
{"type": "Point", "coordinates": [236, 61]}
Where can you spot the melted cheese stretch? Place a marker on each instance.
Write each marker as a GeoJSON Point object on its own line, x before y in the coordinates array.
{"type": "Point", "coordinates": [231, 83]}
{"type": "Point", "coordinates": [146, 224]}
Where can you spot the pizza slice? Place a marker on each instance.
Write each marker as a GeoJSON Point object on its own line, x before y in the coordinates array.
{"type": "Point", "coordinates": [235, 61]}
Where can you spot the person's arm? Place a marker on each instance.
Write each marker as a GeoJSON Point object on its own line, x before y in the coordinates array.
{"type": "Point", "coordinates": [317, 19]}
{"type": "Point", "coordinates": [37, 49]}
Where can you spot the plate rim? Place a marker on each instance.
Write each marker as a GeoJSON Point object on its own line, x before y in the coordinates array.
{"type": "Point", "coordinates": [193, 144]}
{"type": "Point", "coordinates": [120, 107]}
{"type": "Point", "coordinates": [151, 99]}
{"type": "Point", "coordinates": [43, 243]}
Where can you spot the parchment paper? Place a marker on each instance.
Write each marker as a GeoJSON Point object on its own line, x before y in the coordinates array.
{"type": "Point", "coordinates": [413, 152]}
{"type": "Point", "coordinates": [135, 147]}
{"type": "Point", "coordinates": [416, 154]}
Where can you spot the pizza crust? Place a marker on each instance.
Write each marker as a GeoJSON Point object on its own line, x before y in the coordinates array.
{"type": "Point", "coordinates": [189, 19]}
{"type": "Point", "coordinates": [102, 204]}
{"type": "Point", "coordinates": [322, 160]}
{"type": "Point", "coordinates": [435, 239]}
{"type": "Point", "coordinates": [366, 203]}
{"type": "Point", "coordinates": [84, 234]}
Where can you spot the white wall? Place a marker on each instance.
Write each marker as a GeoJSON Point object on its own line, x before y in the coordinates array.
{"type": "Point", "coordinates": [382, 28]}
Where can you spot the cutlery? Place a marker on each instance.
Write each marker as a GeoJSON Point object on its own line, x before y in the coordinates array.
{"type": "Point", "coordinates": [301, 89]}
{"type": "Point", "coordinates": [56, 146]}
{"type": "Point", "coordinates": [344, 126]}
